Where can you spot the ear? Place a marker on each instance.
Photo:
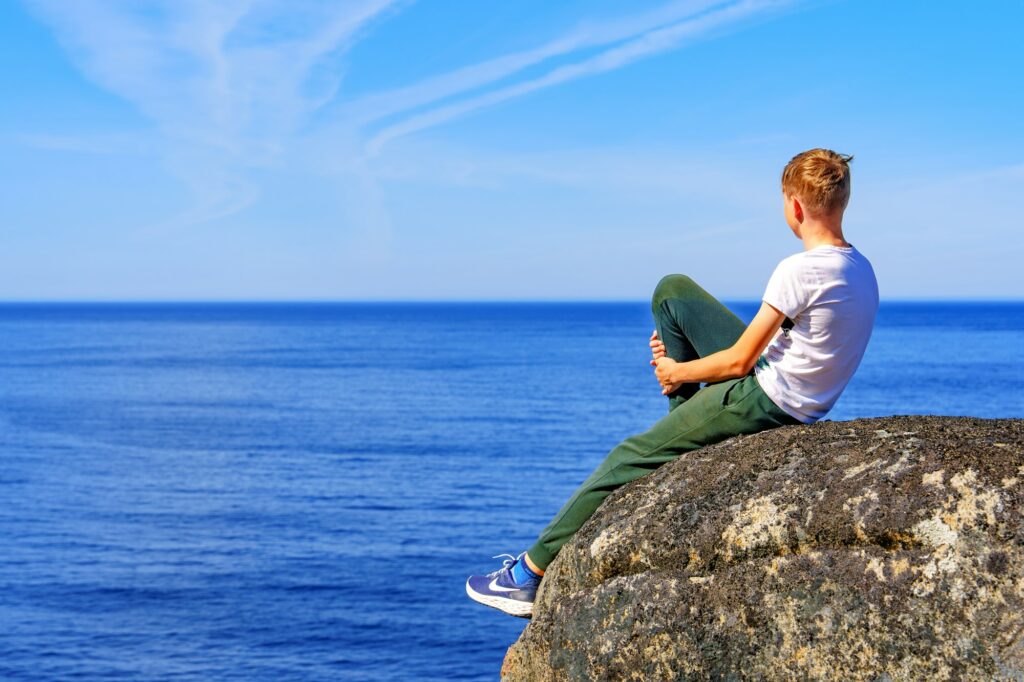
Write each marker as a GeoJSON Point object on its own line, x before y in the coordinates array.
{"type": "Point", "coordinates": [798, 210]}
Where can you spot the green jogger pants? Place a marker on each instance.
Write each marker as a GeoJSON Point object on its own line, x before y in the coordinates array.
{"type": "Point", "coordinates": [692, 324]}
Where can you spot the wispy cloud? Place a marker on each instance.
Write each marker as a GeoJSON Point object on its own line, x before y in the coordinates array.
{"type": "Point", "coordinates": [228, 74]}
{"type": "Point", "coordinates": [231, 80]}
{"type": "Point", "coordinates": [629, 42]}
{"type": "Point", "coordinates": [466, 79]}
{"type": "Point", "coordinates": [229, 84]}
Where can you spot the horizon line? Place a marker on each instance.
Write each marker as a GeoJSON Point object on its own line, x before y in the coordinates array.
{"type": "Point", "coordinates": [426, 301]}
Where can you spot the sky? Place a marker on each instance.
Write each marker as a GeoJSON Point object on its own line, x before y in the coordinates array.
{"type": "Point", "coordinates": [527, 150]}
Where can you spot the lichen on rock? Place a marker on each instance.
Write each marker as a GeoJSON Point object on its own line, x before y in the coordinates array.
{"type": "Point", "coordinates": [876, 549]}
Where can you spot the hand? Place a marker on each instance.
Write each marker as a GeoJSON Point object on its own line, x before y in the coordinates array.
{"type": "Point", "coordinates": [665, 371]}
{"type": "Point", "coordinates": [657, 348]}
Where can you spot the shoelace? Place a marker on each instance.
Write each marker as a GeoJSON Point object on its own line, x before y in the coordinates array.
{"type": "Point", "coordinates": [504, 565]}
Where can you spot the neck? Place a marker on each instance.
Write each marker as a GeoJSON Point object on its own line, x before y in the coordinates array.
{"type": "Point", "coordinates": [822, 232]}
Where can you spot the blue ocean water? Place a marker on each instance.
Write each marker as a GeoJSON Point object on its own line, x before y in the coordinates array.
{"type": "Point", "coordinates": [297, 491]}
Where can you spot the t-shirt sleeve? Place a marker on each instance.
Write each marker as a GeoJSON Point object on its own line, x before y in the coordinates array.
{"type": "Point", "coordinates": [785, 291]}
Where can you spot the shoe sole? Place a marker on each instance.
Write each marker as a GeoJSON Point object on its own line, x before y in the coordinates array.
{"type": "Point", "coordinates": [520, 609]}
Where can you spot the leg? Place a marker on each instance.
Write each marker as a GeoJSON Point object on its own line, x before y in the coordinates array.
{"type": "Point", "coordinates": [692, 324]}
{"type": "Point", "coordinates": [714, 413]}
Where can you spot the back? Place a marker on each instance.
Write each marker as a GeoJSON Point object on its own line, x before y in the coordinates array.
{"type": "Point", "coordinates": [831, 295]}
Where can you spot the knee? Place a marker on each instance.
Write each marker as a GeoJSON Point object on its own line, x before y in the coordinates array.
{"type": "Point", "coordinates": [672, 286]}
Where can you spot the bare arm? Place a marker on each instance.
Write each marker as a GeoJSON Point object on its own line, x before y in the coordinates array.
{"type": "Point", "coordinates": [732, 362]}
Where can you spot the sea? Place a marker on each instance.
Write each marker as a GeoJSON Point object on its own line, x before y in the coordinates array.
{"type": "Point", "coordinates": [273, 491]}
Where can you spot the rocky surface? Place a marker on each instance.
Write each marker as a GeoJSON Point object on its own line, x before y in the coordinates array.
{"type": "Point", "coordinates": [875, 549]}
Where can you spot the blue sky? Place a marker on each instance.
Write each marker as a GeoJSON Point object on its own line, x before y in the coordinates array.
{"type": "Point", "coordinates": [376, 149]}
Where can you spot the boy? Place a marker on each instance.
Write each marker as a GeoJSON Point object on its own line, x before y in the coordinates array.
{"type": "Point", "coordinates": [788, 366]}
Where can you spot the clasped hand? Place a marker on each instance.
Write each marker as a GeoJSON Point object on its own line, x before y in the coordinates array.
{"type": "Point", "coordinates": [664, 366]}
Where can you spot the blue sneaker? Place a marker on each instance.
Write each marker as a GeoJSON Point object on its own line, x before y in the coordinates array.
{"type": "Point", "coordinates": [500, 590]}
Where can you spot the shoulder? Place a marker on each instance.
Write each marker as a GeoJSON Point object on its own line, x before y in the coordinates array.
{"type": "Point", "coordinates": [865, 272]}
{"type": "Point", "coordinates": [790, 266]}
{"type": "Point", "coordinates": [861, 258]}
{"type": "Point", "coordinates": [792, 262]}
{"type": "Point", "coordinates": [854, 259]}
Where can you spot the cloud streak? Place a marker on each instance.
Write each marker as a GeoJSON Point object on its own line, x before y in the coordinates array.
{"type": "Point", "coordinates": [216, 73]}
{"type": "Point", "coordinates": [643, 38]}
{"type": "Point", "coordinates": [230, 84]}
{"type": "Point", "coordinates": [475, 76]}
{"type": "Point", "coordinates": [230, 81]}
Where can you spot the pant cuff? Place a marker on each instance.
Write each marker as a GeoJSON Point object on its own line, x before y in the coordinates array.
{"type": "Point", "coordinates": [540, 556]}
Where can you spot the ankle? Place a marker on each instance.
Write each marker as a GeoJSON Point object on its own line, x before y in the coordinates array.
{"type": "Point", "coordinates": [523, 576]}
{"type": "Point", "coordinates": [532, 566]}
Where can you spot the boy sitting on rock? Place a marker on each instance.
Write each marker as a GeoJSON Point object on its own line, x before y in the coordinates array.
{"type": "Point", "coordinates": [788, 366]}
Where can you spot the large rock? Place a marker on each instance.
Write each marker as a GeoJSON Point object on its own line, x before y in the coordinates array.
{"type": "Point", "coordinates": [873, 549]}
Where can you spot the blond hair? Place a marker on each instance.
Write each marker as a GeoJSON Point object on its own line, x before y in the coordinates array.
{"type": "Point", "coordinates": [820, 178]}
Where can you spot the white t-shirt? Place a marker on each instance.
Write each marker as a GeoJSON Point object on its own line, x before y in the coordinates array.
{"type": "Point", "coordinates": [831, 295]}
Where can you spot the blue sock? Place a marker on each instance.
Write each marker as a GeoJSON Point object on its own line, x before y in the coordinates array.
{"type": "Point", "coordinates": [522, 574]}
